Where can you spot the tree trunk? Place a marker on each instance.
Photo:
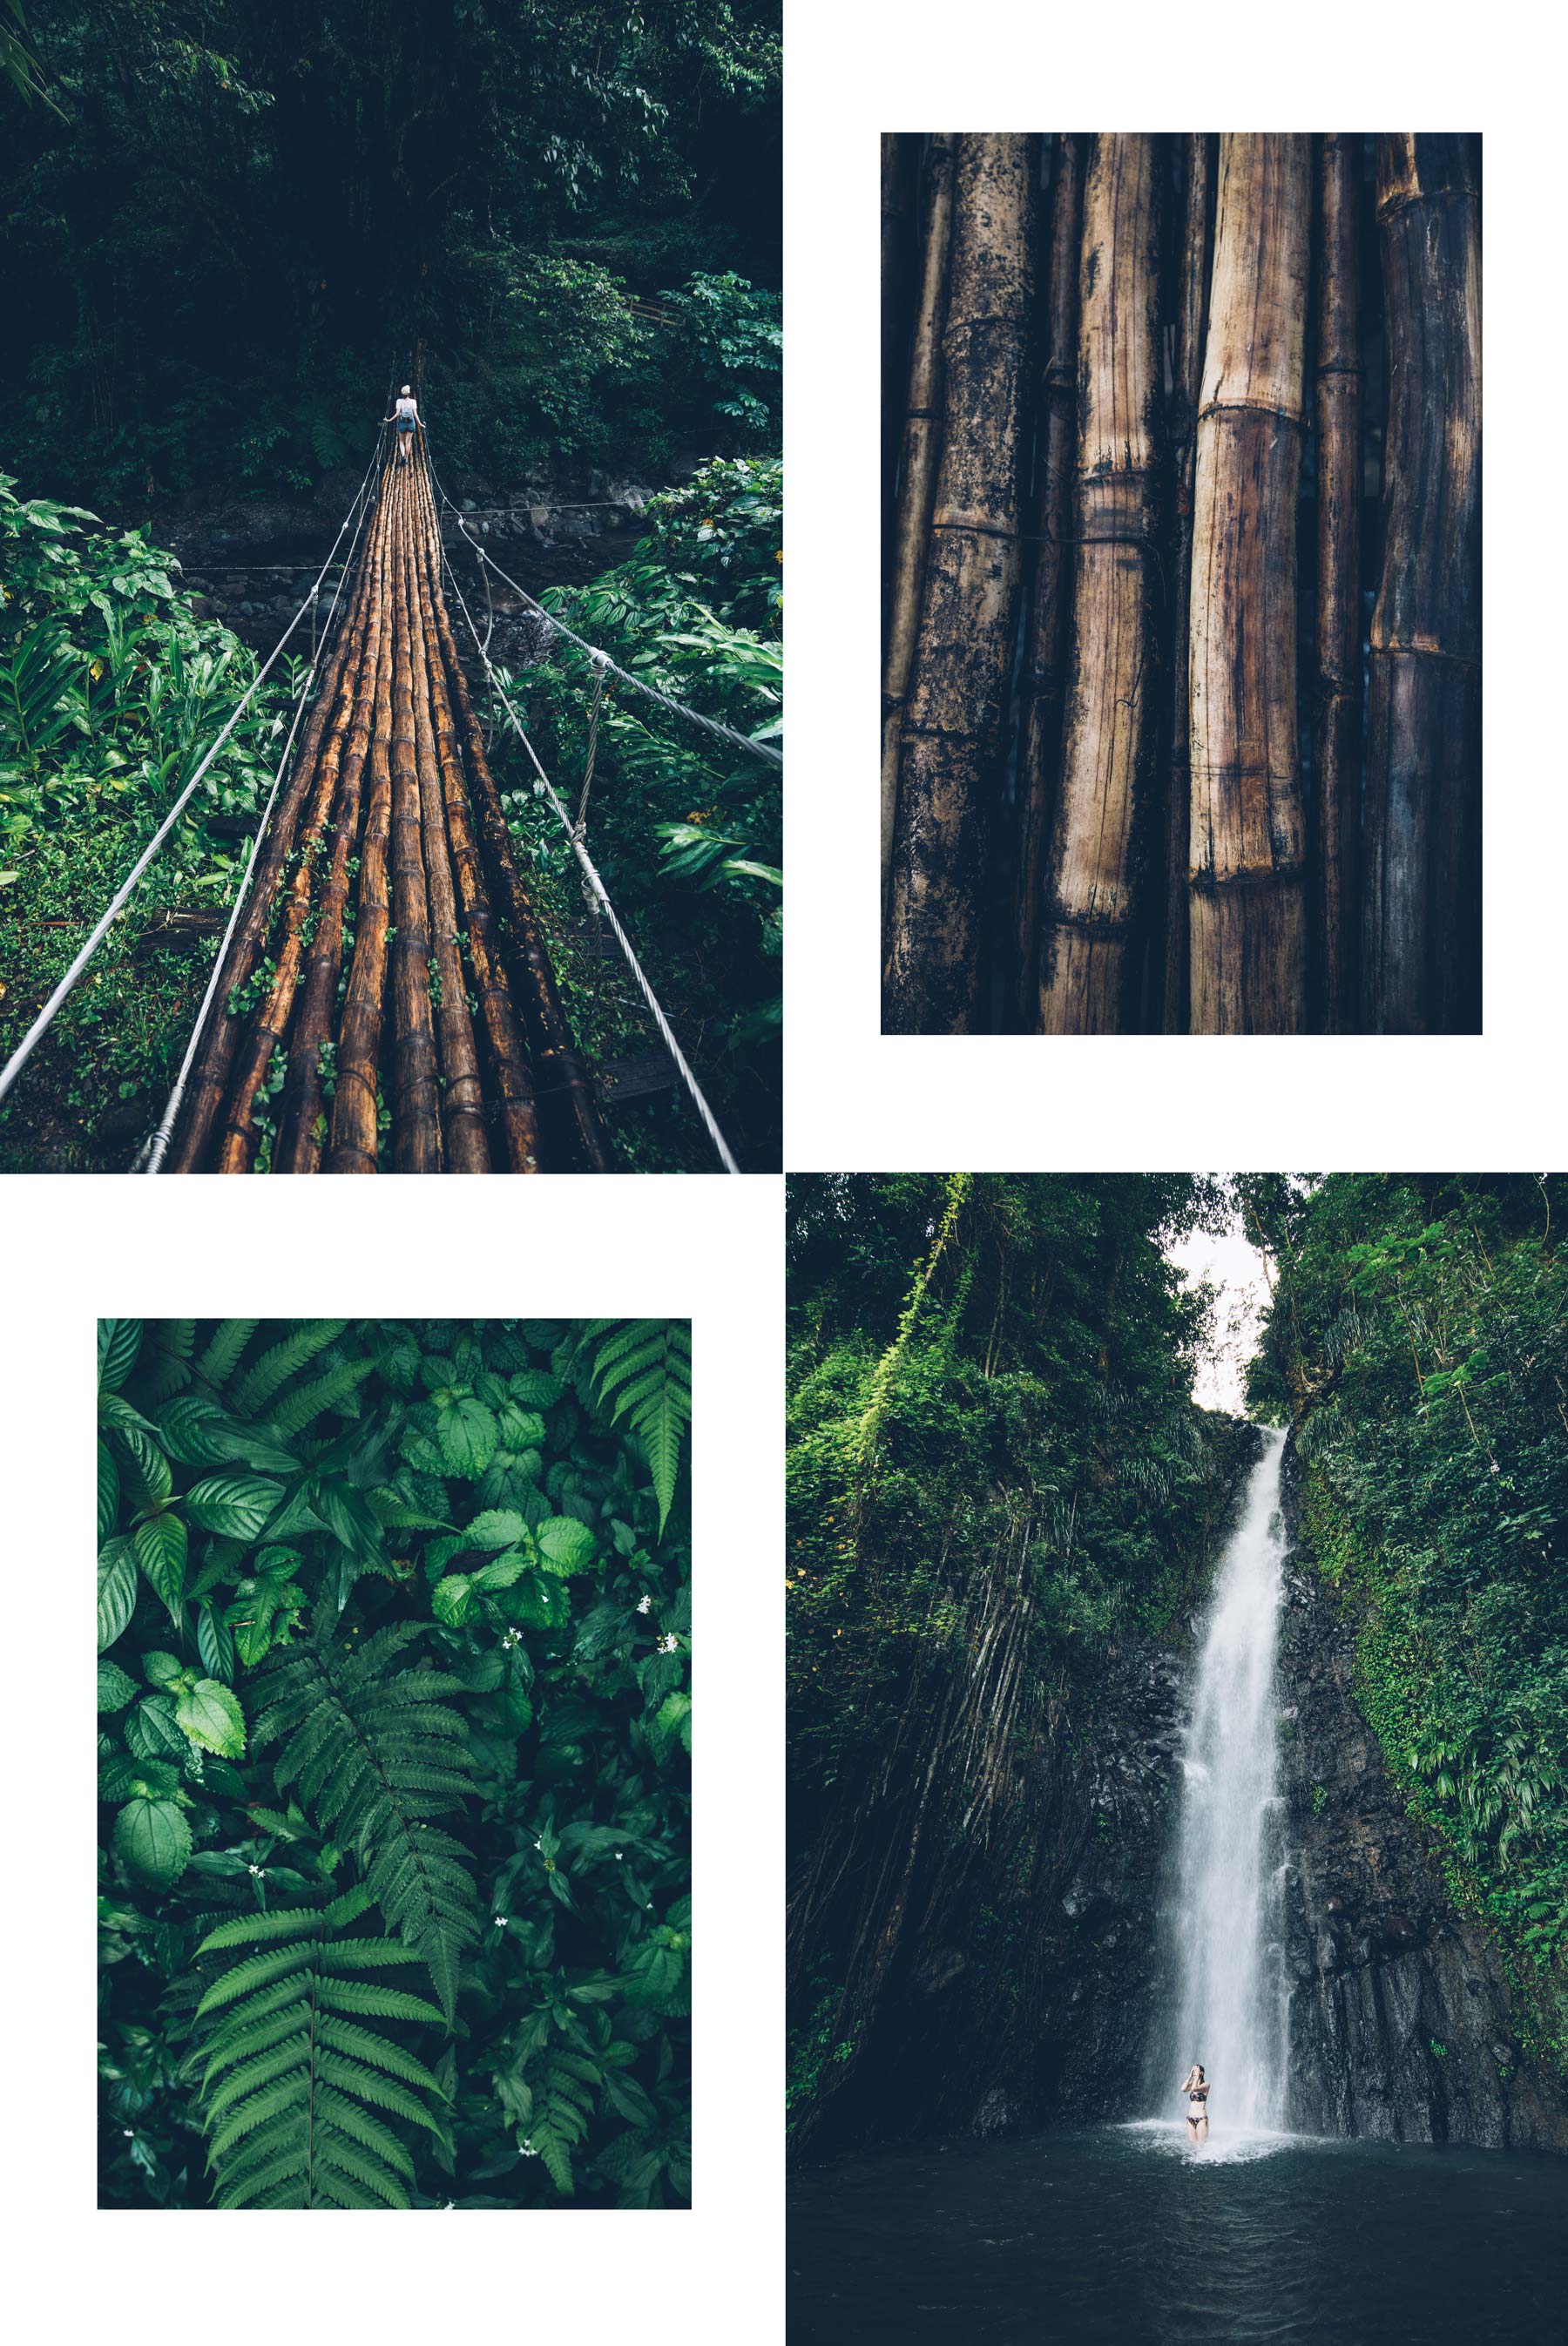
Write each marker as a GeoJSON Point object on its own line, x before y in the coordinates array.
{"type": "Point", "coordinates": [900, 178]}
{"type": "Point", "coordinates": [1247, 836]}
{"type": "Point", "coordinates": [917, 474]}
{"type": "Point", "coordinates": [1422, 822]}
{"type": "Point", "coordinates": [1085, 961]}
{"type": "Point", "coordinates": [416, 1128]}
{"type": "Point", "coordinates": [969, 620]}
{"type": "Point", "coordinates": [1046, 641]}
{"type": "Point", "coordinates": [1338, 587]}
{"type": "Point", "coordinates": [1191, 328]}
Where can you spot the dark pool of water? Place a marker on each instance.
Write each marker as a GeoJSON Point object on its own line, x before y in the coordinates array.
{"type": "Point", "coordinates": [1120, 2233]}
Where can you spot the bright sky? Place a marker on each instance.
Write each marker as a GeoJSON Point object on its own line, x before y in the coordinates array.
{"type": "Point", "coordinates": [1235, 1267]}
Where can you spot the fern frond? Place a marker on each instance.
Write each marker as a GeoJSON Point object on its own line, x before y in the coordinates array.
{"type": "Point", "coordinates": [291, 2096]}
{"type": "Point", "coordinates": [307, 1403]}
{"type": "Point", "coordinates": [218, 1363]}
{"type": "Point", "coordinates": [374, 1755]}
{"type": "Point", "coordinates": [174, 1343]}
{"type": "Point", "coordinates": [280, 1362]}
{"type": "Point", "coordinates": [641, 1370]}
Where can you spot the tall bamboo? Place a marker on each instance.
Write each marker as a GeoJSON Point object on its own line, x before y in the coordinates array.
{"type": "Point", "coordinates": [1247, 833]}
{"type": "Point", "coordinates": [268, 1026]}
{"type": "Point", "coordinates": [508, 1060]}
{"type": "Point", "coordinates": [1051, 597]}
{"type": "Point", "coordinates": [209, 1075]}
{"type": "Point", "coordinates": [900, 178]}
{"type": "Point", "coordinates": [1190, 330]}
{"type": "Point", "coordinates": [970, 613]}
{"type": "Point", "coordinates": [1421, 971]}
{"type": "Point", "coordinates": [917, 474]}
{"type": "Point", "coordinates": [355, 1099]}
{"type": "Point", "coordinates": [415, 1093]}
{"type": "Point", "coordinates": [1085, 960]}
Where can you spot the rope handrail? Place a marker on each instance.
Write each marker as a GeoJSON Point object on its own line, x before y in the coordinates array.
{"type": "Point", "coordinates": [68, 984]}
{"type": "Point", "coordinates": [639, 684]}
{"type": "Point", "coordinates": [590, 873]}
{"type": "Point", "coordinates": [153, 1153]}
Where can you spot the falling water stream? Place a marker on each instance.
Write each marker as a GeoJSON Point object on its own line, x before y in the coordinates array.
{"type": "Point", "coordinates": [1231, 2004]}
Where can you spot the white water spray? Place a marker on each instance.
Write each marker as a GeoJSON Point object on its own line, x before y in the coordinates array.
{"type": "Point", "coordinates": [1232, 1999]}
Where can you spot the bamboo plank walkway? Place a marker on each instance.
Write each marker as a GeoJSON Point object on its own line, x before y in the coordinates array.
{"type": "Point", "coordinates": [388, 1002]}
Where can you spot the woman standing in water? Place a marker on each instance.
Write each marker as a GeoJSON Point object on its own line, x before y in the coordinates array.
{"type": "Point", "coordinates": [1194, 2085]}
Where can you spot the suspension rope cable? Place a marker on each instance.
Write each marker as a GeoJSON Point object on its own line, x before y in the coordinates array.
{"type": "Point", "coordinates": [639, 684]}
{"type": "Point", "coordinates": [591, 875]}
{"type": "Point", "coordinates": [581, 827]}
{"type": "Point", "coordinates": [154, 1151]}
{"type": "Point", "coordinates": [68, 984]}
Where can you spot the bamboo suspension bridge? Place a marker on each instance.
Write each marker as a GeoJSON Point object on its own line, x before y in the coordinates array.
{"type": "Point", "coordinates": [384, 999]}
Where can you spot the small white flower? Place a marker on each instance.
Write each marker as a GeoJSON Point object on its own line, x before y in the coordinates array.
{"type": "Point", "coordinates": [668, 1645]}
{"type": "Point", "coordinates": [538, 1844]}
{"type": "Point", "coordinates": [255, 1870]}
{"type": "Point", "coordinates": [527, 2151]}
{"type": "Point", "coordinates": [618, 1856]}
{"type": "Point", "coordinates": [129, 2133]}
{"type": "Point", "coordinates": [501, 1921]}
{"type": "Point", "coordinates": [644, 1603]}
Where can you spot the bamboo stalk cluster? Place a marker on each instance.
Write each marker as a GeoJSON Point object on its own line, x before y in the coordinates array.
{"type": "Point", "coordinates": [388, 1002]}
{"type": "Point", "coordinates": [1125, 784]}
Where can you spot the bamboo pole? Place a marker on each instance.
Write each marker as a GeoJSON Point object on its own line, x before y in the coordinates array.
{"type": "Point", "coordinates": [1051, 597]}
{"type": "Point", "coordinates": [355, 1099]}
{"type": "Point", "coordinates": [209, 1076]}
{"type": "Point", "coordinates": [508, 1059]}
{"type": "Point", "coordinates": [298, 1148]}
{"type": "Point", "coordinates": [1421, 934]}
{"type": "Point", "coordinates": [969, 619]}
{"type": "Point", "coordinates": [1334, 892]}
{"type": "Point", "coordinates": [917, 474]}
{"type": "Point", "coordinates": [1247, 840]}
{"type": "Point", "coordinates": [267, 1027]}
{"type": "Point", "coordinates": [568, 1106]}
{"type": "Point", "coordinates": [900, 176]}
{"type": "Point", "coordinates": [1190, 330]}
{"type": "Point", "coordinates": [465, 1145]}
{"type": "Point", "coordinates": [416, 1123]}
{"type": "Point", "coordinates": [1085, 961]}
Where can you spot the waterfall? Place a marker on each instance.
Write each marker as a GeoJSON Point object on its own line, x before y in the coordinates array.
{"type": "Point", "coordinates": [1228, 1900]}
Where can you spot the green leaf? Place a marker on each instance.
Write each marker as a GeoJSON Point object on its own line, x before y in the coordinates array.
{"type": "Point", "coordinates": [153, 1840]}
{"type": "Point", "coordinates": [146, 1476]}
{"type": "Point", "coordinates": [215, 1644]}
{"type": "Point", "coordinates": [108, 1491]}
{"type": "Point", "coordinates": [153, 1732]}
{"type": "Point", "coordinates": [497, 1528]}
{"type": "Point", "coordinates": [119, 1342]}
{"type": "Point", "coordinates": [451, 1600]}
{"type": "Point", "coordinates": [672, 1721]}
{"type": "Point", "coordinates": [467, 1433]}
{"type": "Point", "coordinates": [114, 1687]}
{"type": "Point", "coordinates": [566, 1544]}
{"type": "Point", "coordinates": [160, 1552]}
{"type": "Point", "coordinates": [236, 1505]}
{"type": "Point", "coordinates": [210, 1715]}
{"type": "Point", "coordinates": [162, 1669]}
{"type": "Point", "coordinates": [504, 1571]}
{"type": "Point", "coordinates": [536, 1390]}
{"type": "Point", "coordinates": [540, 1601]}
{"type": "Point", "coordinates": [116, 1590]}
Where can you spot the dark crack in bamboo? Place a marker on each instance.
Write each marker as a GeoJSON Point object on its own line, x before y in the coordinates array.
{"type": "Point", "coordinates": [1421, 932]}
{"type": "Point", "coordinates": [1247, 836]}
{"type": "Point", "coordinates": [947, 765]}
{"type": "Point", "coordinates": [1189, 332]}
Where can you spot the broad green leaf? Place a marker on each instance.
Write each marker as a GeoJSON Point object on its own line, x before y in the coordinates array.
{"type": "Point", "coordinates": [237, 1504]}
{"type": "Point", "coordinates": [566, 1544]}
{"type": "Point", "coordinates": [451, 1600]}
{"type": "Point", "coordinates": [672, 1722]}
{"type": "Point", "coordinates": [119, 1342]}
{"type": "Point", "coordinates": [539, 1600]}
{"type": "Point", "coordinates": [114, 1687]}
{"type": "Point", "coordinates": [467, 1434]}
{"type": "Point", "coordinates": [108, 1491]}
{"type": "Point", "coordinates": [497, 1528]}
{"type": "Point", "coordinates": [154, 1732]}
{"type": "Point", "coordinates": [536, 1390]}
{"type": "Point", "coordinates": [215, 1644]}
{"type": "Point", "coordinates": [116, 1590]}
{"type": "Point", "coordinates": [144, 1475]}
{"type": "Point", "coordinates": [504, 1570]}
{"type": "Point", "coordinates": [350, 1520]}
{"type": "Point", "coordinates": [520, 1429]}
{"type": "Point", "coordinates": [210, 1715]}
{"type": "Point", "coordinates": [153, 1840]}
{"type": "Point", "coordinates": [160, 1552]}
{"type": "Point", "coordinates": [162, 1669]}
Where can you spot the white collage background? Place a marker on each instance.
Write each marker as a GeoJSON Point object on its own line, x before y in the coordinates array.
{"type": "Point", "coordinates": [709, 1247]}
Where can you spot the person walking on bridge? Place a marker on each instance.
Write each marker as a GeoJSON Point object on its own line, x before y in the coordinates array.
{"type": "Point", "coordinates": [406, 415]}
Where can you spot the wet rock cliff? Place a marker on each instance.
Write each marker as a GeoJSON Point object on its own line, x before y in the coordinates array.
{"type": "Point", "coordinates": [1402, 2024]}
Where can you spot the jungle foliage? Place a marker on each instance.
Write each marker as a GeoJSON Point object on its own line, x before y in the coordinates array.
{"type": "Point", "coordinates": [1417, 1337]}
{"type": "Point", "coordinates": [687, 835]}
{"type": "Point", "coordinates": [229, 224]}
{"type": "Point", "coordinates": [394, 1628]}
{"type": "Point", "coordinates": [111, 691]}
{"type": "Point", "coordinates": [996, 1474]}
